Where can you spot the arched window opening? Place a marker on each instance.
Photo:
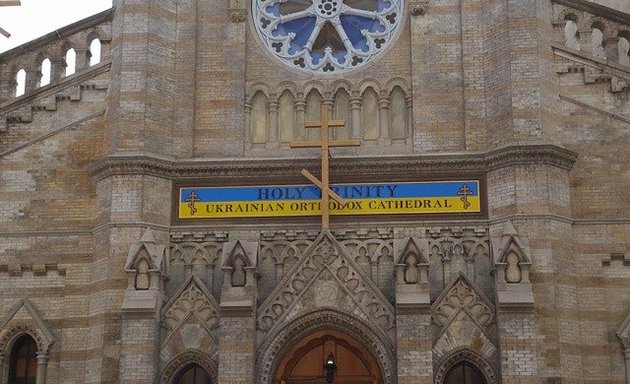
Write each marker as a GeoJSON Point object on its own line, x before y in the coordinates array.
{"type": "Point", "coordinates": [143, 281]}
{"type": "Point", "coordinates": [259, 118]}
{"type": "Point", "coordinates": [313, 113]}
{"type": "Point", "coordinates": [513, 270]}
{"type": "Point", "coordinates": [464, 373]}
{"type": "Point", "coordinates": [398, 115]}
{"type": "Point", "coordinates": [45, 70]}
{"type": "Point", "coordinates": [71, 61]}
{"type": "Point", "coordinates": [95, 52]}
{"type": "Point", "coordinates": [286, 117]}
{"type": "Point", "coordinates": [571, 32]}
{"type": "Point", "coordinates": [20, 80]}
{"type": "Point", "coordinates": [23, 364]}
{"type": "Point", "coordinates": [369, 114]}
{"type": "Point", "coordinates": [193, 374]}
{"type": "Point", "coordinates": [341, 111]}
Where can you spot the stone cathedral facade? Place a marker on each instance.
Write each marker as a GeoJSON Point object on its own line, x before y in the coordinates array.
{"type": "Point", "coordinates": [155, 225]}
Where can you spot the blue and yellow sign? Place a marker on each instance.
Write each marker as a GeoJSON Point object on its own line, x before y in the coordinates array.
{"type": "Point", "coordinates": [443, 197]}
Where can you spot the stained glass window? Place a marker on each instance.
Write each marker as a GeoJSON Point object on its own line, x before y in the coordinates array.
{"type": "Point", "coordinates": [326, 36]}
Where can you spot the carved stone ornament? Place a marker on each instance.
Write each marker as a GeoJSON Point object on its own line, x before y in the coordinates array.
{"type": "Point", "coordinates": [146, 268]}
{"type": "Point", "coordinates": [462, 294]}
{"type": "Point", "coordinates": [623, 333]}
{"type": "Point", "coordinates": [192, 299]}
{"type": "Point", "coordinates": [419, 8]}
{"type": "Point", "coordinates": [156, 252]}
{"type": "Point", "coordinates": [21, 319]}
{"type": "Point", "coordinates": [325, 277]}
{"type": "Point", "coordinates": [190, 321]}
{"type": "Point", "coordinates": [412, 270]}
{"type": "Point", "coordinates": [237, 15]}
{"type": "Point", "coordinates": [512, 264]}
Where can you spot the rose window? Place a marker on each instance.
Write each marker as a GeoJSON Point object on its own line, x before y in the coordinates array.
{"type": "Point", "coordinates": [326, 35]}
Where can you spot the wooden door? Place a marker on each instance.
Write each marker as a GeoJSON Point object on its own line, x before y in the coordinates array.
{"type": "Point", "coordinates": [304, 362]}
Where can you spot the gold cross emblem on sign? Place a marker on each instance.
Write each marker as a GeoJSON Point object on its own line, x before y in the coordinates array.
{"type": "Point", "coordinates": [324, 124]}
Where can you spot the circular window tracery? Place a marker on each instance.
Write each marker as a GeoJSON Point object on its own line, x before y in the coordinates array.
{"type": "Point", "coordinates": [326, 36]}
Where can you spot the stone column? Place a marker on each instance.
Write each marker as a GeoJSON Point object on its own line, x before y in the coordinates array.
{"type": "Point", "coordinates": [57, 69]}
{"type": "Point", "coordinates": [42, 366]}
{"type": "Point", "coordinates": [300, 112]}
{"type": "Point", "coordinates": [248, 122]}
{"type": "Point", "coordinates": [355, 107]}
{"type": "Point", "coordinates": [81, 59]}
{"type": "Point", "coordinates": [272, 139]}
{"type": "Point", "coordinates": [383, 118]}
{"type": "Point", "coordinates": [409, 101]}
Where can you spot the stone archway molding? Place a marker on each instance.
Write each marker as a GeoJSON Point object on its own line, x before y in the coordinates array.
{"type": "Point", "coordinates": [464, 354]}
{"type": "Point", "coordinates": [277, 344]}
{"type": "Point", "coordinates": [23, 319]}
{"type": "Point", "coordinates": [173, 367]}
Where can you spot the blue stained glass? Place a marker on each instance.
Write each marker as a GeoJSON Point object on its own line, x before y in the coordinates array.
{"type": "Point", "coordinates": [301, 27]}
{"type": "Point", "coordinates": [274, 9]}
{"type": "Point", "coordinates": [353, 25]}
{"type": "Point", "coordinates": [340, 56]}
{"type": "Point", "coordinates": [383, 5]}
{"type": "Point", "coordinates": [316, 57]}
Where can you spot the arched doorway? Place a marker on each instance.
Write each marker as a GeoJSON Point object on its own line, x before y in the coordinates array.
{"type": "Point", "coordinates": [304, 361]}
{"type": "Point", "coordinates": [464, 373]}
{"type": "Point", "coordinates": [23, 361]}
{"type": "Point", "coordinates": [193, 374]}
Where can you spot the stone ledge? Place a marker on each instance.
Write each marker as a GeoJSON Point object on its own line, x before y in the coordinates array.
{"type": "Point", "coordinates": [596, 9]}
{"type": "Point", "coordinates": [142, 164]}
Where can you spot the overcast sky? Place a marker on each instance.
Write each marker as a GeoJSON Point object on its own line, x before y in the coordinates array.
{"type": "Point", "coordinates": [36, 18]}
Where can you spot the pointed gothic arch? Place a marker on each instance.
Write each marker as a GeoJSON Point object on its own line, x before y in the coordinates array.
{"type": "Point", "coordinates": [466, 356]}
{"type": "Point", "coordinates": [304, 361]}
{"type": "Point", "coordinates": [175, 367]}
{"type": "Point", "coordinates": [281, 342]}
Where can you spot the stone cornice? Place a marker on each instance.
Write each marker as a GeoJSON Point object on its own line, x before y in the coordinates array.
{"type": "Point", "coordinates": [457, 163]}
{"type": "Point", "coordinates": [596, 9]}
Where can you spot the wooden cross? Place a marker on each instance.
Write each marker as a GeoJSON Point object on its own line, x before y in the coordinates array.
{"type": "Point", "coordinates": [324, 124]}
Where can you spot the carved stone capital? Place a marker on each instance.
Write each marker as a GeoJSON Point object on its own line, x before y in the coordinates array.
{"type": "Point", "coordinates": [237, 15]}
{"type": "Point", "coordinates": [419, 8]}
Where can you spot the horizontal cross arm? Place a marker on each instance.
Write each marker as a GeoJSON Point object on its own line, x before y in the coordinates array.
{"type": "Point", "coordinates": [317, 144]}
{"type": "Point", "coordinates": [345, 143]}
{"type": "Point", "coordinates": [318, 124]}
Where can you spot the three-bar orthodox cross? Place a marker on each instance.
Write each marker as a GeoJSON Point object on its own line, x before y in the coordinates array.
{"type": "Point", "coordinates": [324, 125]}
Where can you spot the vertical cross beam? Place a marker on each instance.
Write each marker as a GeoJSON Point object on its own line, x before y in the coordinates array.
{"type": "Point", "coordinates": [325, 144]}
